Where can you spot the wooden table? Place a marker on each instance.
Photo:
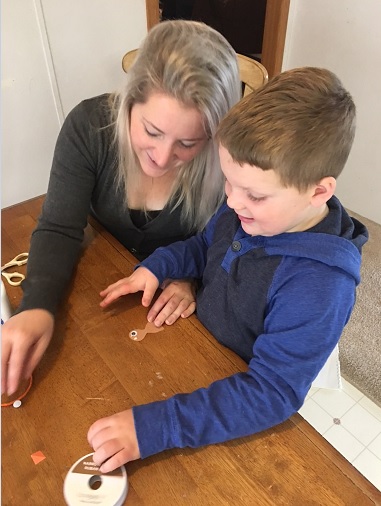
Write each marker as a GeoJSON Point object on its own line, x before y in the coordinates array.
{"type": "Point", "coordinates": [92, 369]}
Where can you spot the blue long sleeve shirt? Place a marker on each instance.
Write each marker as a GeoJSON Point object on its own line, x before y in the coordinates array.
{"type": "Point", "coordinates": [279, 302]}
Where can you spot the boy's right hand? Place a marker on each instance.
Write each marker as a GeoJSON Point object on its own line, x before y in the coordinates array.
{"type": "Point", "coordinates": [141, 279]}
{"type": "Point", "coordinates": [25, 338]}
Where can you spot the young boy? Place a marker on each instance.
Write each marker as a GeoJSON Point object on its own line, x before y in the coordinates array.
{"type": "Point", "coordinates": [279, 265]}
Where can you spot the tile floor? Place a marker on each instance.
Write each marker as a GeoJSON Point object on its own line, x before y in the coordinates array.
{"type": "Point", "coordinates": [351, 423]}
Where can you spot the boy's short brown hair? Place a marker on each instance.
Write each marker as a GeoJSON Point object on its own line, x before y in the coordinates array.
{"type": "Point", "coordinates": [301, 124]}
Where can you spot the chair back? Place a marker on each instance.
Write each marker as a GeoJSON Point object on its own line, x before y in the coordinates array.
{"type": "Point", "coordinates": [253, 74]}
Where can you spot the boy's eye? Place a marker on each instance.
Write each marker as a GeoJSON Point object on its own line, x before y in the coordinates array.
{"type": "Point", "coordinates": [256, 199]}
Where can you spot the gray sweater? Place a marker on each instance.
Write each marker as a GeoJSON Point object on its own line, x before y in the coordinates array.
{"type": "Point", "coordinates": [82, 182]}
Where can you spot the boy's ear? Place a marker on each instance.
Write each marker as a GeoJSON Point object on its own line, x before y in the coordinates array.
{"type": "Point", "coordinates": [323, 191]}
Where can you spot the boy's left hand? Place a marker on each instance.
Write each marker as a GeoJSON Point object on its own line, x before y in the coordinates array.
{"type": "Point", "coordinates": [178, 299]}
{"type": "Point", "coordinates": [114, 441]}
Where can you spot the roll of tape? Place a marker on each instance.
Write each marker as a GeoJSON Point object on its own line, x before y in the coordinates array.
{"type": "Point", "coordinates": [85, 484]}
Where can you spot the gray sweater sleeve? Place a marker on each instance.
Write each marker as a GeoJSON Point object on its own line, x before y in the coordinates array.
{"type": "Point", "coordinates": [56, 241]}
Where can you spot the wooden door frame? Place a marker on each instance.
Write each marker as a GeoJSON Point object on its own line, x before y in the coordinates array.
{"type": "Point", "coordinates": [152, 10]}
{"type": "Point", "coordinates": [274, 35]}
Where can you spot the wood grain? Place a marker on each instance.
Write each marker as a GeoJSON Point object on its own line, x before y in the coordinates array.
{"type": "Point", "coordinates": [92, 369]}
{"type": "Point", "coordinates": [152, 13]}
{"type": "Point", "coordinates": [274, 35]}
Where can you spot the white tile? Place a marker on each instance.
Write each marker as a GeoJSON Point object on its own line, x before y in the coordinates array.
{"type": "Point", "coordinates": [361, 424]}
{"type": "Point", "coordinates": [335, 402]}
{"type": "Point", "coordinates": [344, 442]}
{"type": "Point", "coordinates": [370, 406]}
{"type": "Point", "coordinates": [375, 446]}
{"type": "Point", "coordinates": [311, 392]}
{"type": "Point", "coordinates": [351, 390]}
{"type": "Point", "coordinates": [370, 466]}
{"type": "Point", "coordinates": [316, 416]}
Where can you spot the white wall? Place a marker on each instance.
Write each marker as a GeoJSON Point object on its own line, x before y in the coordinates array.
{"type": "Point", "coordinates": [54, 54]}
{"type": "Point", "coordinates": [345, 37]}
{"type": "Point", "coordinates": [28, 112]}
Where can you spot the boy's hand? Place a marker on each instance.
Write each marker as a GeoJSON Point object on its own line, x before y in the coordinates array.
{"type": "Point", "coordinates": [177, 299]}
{"type": "Point", "coordinates": [114, 441]}
{"type": "Point", "coordinates": [24, 339]}
{"type": "Point", "coordinates": [141, 279]}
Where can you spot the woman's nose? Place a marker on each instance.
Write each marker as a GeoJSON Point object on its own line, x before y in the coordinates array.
{"type": "Point", "coordinates": [164, 154]}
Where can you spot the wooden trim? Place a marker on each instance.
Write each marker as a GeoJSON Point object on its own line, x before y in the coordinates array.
{"type": "Point", "coordinates": [152, 10]}
{"type": "Point", "coordinates": [274, 35]}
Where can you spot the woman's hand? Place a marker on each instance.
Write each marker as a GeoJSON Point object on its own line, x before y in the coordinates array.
{"type": "Point", "coordinates": [177, 299]}
{"type": "Point", "coordinates": [114, 441]}
{"type": "Point", "coordinates": [141, 279]}
{"type": "Point", "coordinates": [25, 338]}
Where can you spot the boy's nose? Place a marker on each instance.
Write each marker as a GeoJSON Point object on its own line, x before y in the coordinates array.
{"type": "Point", "coordinates": [233, 202]}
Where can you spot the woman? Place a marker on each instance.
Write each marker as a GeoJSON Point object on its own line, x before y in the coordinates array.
{"type": "Point", "coordinates": [143, 162]}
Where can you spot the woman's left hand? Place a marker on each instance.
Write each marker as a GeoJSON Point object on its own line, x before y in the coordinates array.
{"type": "Point", "coordinates": [178, 299]}
{"type": "Point", "coordinates": [114, 441]}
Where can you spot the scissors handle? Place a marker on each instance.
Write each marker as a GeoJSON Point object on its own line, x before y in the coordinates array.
{"type": "Point", "coordinates": [10, 276]}
{"type": "Point", "coordinates": [20, 259]}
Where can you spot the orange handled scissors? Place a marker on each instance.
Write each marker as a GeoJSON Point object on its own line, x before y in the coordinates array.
{"type": "Point", "coordinates": [15, 278]}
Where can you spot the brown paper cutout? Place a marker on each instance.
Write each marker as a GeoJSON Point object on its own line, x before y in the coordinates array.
{"type": "Point", "coordinates": [140, 334]}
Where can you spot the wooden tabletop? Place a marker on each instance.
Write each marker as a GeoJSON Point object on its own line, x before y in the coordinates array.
{"type": "Point", "coordinates": [92, 369]}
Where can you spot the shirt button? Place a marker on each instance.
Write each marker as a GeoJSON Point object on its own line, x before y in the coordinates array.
{"type": "Point", "coordinates": [236, 246]}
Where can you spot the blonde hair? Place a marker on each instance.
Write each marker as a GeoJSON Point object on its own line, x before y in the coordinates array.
{"type": "Point", "coordinates": [193, 63]}
{"type": "Point", "coordinates": [301, 124]}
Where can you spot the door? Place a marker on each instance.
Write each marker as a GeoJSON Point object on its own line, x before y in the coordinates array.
{"type": "Point", "coordinates": [273, 37]}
